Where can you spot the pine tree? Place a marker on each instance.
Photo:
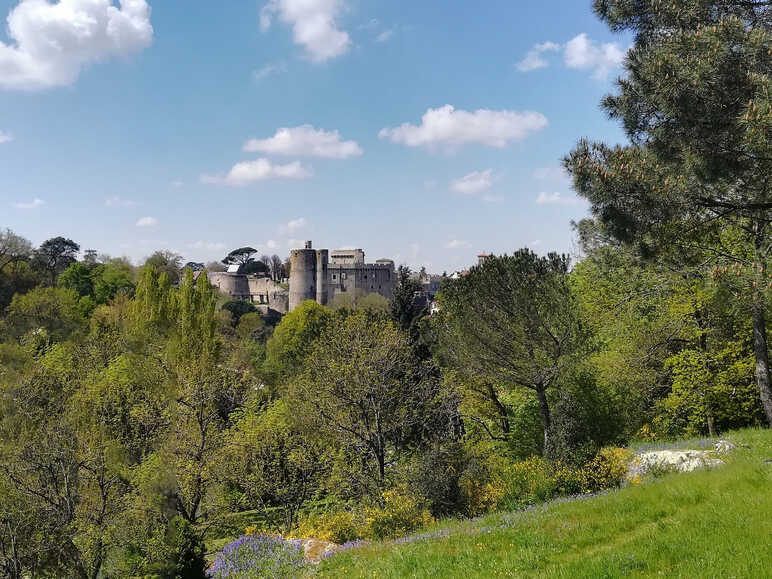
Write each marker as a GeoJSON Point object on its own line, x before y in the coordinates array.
{"type": "Point", "coordinates": [694, 182]}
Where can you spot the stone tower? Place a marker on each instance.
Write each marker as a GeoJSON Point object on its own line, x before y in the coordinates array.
{"type": "Point", "coordinates": [308, 275]}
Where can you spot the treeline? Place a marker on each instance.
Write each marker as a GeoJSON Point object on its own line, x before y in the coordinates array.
{"type": "Point", "coordinates": [137, 432]}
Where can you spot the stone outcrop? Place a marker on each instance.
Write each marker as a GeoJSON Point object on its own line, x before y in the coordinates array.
{"type": "Point", "coordinates": [677, 460]}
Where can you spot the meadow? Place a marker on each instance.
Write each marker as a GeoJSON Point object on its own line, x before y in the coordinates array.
{"type": "Point", "coordinates": [712, 523]}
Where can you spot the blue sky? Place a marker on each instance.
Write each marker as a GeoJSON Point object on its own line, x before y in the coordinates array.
{"type": "Point", "coordinates": [422, 131]}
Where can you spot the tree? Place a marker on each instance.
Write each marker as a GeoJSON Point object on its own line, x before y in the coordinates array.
{"type": "Point", "coordinates": [166, 262]}
{"type": "Point", "coordinates": [694, 181]}
{"type": "Point", "coordinates": [55, 255]}
{"type": "Point", "coordinates": [13, 248]}
{"type": "Point", "coordinates": [194, 265]}
{"type": "Point", "coordinates": [407, 305]}
{"type": "Point", "coordinates": [513, 319]}
{"type": "Point", "coordinates": [112, 279]}
{"type": "Point", "coordinates": [293, 340]}
{"type": "Point", "coordinates": [78, 277]}
{"type": "Point", "coordinates": [366, 390]}
{"type": "Point", "coordinates": [254, 267]}
{"type": "Point", "coordinates": [273, 467]}
{"type": "Point", "coordinates": [16, 275]}
{"type": "Point", "coordinates": [50, 313]}
{"type": "Point", "coordinates": [240, 256]}
{"type": "Point", "coordinates": [277, 267]}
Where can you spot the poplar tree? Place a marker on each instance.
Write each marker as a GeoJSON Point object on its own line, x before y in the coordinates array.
{"type": "Point", "coordinates": [695, 182]}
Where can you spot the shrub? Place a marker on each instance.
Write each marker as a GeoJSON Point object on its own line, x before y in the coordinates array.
{"type": "Point", "coordinates": [401, 513]}
{"type": "Point", "coordinates": [259, 556]}
{"type": "Point", "coordinates": [498, 483]}
{"type": "Point", "coordinates": [482, 489]}
{"type": "Point", "coordinates": [338, 526]}
{"type": "Point", "coordinates": [608, 469]}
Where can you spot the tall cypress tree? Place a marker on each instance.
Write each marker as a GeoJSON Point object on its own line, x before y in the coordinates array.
{"type": "Point", "coordinates": [695, 182]}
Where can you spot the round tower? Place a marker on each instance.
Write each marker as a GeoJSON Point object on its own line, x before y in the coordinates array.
{"type": "Point", "coordinates": [302, 283]}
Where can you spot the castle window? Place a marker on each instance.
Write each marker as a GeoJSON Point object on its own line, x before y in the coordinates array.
{"type": "Point", "coordinates": [333, 276]}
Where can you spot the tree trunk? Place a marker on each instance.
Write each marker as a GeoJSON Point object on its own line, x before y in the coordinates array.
{"type": "Point", "coordinates": [546, 418]}
{"type": "Point", "coordinates": [762, 355]}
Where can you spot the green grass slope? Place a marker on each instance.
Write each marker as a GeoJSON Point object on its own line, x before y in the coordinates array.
{"type": "Point", "coordinates": [715, 523]}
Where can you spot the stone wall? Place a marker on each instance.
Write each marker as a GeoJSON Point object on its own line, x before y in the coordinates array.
{"type": "Point", "coordinates": [257, 290]}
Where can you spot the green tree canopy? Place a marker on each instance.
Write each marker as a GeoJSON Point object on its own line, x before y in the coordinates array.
{"type": "Point", "coordinates": [512, 319]}
{"type": "Point", "coordinates": [694, 180]}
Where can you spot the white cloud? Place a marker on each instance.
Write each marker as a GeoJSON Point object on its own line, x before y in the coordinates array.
{"type": "Point", "coordinates": [473, 183]}
{"type": "Point", "coordinates": [385, 35]}
{"type": "Point", "coordinates": [116, 201]}
{"type": "Point", "coordinates": [534, 58]}
{"type": "Point", "coordinates": [207, 245]}
{"type": "Point", "coordinates": [52, 43]}
{"type": "Point", "coordinates": [457, 244]}
{"type": "Point", "coordinates": [452, 128]}
{"type": "Point", "coordinates": [584, 54]}
{"type": "Point", "coordinates": [34, 204]}
{"type": "Point", "coordinates": [147, 222]}
{"type": "Point", "coordinates": [269, 69]}
{"type": "Point", "coordinates": [579, 53]}
{"type": "Point", "coordinates": [5, 137]}
{"type": "Point", "coordinates": [293, 225]}
{"type": "Point", "coordinates": [305, 141]}
{"type": "Point", "coordinates": [271, 244]}
{"type": "Point", "coordinates": [556, 198]}
{"type": "Point", "coordinates": [314, 25]}
{"type": "Point", "coordinates": [258, 170]}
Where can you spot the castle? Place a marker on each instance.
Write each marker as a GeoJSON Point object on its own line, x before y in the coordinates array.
{"type": "Point", "coordinates": [315, 274]}
{"type": "Point", "coordinates": [322, 275]}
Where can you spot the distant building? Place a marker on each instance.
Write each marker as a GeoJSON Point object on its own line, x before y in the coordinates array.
{"type": "Point", "coordinates": [321, 275]}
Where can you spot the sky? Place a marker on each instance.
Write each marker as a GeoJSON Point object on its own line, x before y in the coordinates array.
{"type": "Point", "coordinates": [425, 132]}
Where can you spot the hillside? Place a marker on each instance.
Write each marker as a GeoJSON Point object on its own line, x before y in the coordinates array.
{"type": "Point", "coordinates": [715, 523]}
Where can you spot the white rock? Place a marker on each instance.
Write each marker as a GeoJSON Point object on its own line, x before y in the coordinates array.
{"type": "Point", "coordinates": [671, 460]}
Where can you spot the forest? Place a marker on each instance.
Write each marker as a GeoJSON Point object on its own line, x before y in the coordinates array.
{"type": "Point", "coordinates": [146, 421]}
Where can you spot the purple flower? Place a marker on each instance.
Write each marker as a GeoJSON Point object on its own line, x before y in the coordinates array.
{"type": "Point", "coordinates": [253, 556]}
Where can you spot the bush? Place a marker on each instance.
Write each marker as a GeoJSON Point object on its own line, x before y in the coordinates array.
{"type": "Point", "coordinates": [238, 308]}
{"type": "Point", "coordinates": [498, 483]}
{"type": "Point", "coordinates": [608, 469]}
{"type": "Point", "coordinates": [338, 526]}
{"type": "Point", "coordinates": [401, 513]}
{"type": "Point", "coordinates": [259, 556]}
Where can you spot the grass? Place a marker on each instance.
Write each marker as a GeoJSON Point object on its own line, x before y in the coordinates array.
{"type": "Point", "coordinates": [714, 523]}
